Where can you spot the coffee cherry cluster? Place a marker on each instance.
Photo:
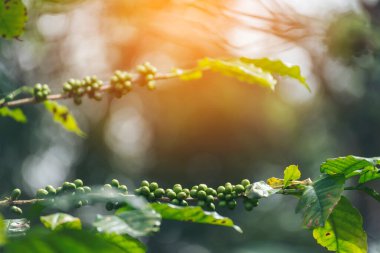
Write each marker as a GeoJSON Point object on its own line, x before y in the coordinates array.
{"type": "Point", "coordinates": [79, 88]}
{"type": "Point", "coordinates": [115, 186]}
{"type": "Point", "coordinates": [41, 92]}
{"type": "Point", "coordinates": [16, 193]}
{"type": "Point", "coordinates": [121, 83]}
{"type": "Point", "coordinates": [76, 188]}
{"type": "Point", "coordinates": [206, 197]}
{"type": "Point", "coordinates": [148, 72]}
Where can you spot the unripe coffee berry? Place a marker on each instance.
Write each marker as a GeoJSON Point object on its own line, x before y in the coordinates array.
{"type": "Point", "coordinates": [153, 186]}
{"type": "Point", "coordinates": [109, 206]}
{"type": "Point", "coordinates": [78, 182]}
{"type": "Point", "coordinates": [171, 194]}
{"type": "Point", "coordinates": [239, 188]}
{"type": "Point", "coordinates": [145, 190]}
{"type": "Point", "coordinates": [158, 193]}
{"type": "Point", "coordinates": [181, 195]}
{"type": "Point", "coordinates": [115, 183]}
{"type": "Point", "coordinates": [41, 193]}
{"type": "Point", "coordinates": [201, 195]}
{"type": "Point", "coordinates": [145, 183]}
{"type": "Point", "coordinates": [15, 194]}
{"type": "Point", "coordinates": [16, 210]}
{"type": "Point", "coordinates": [245, 182]}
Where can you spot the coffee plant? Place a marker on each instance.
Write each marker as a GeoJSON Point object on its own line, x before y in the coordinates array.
{"type": "Point", "coordinates": [135, 213]}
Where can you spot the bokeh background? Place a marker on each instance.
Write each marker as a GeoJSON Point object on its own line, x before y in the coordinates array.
{"type": "Point", "coordinates": [209, 131]}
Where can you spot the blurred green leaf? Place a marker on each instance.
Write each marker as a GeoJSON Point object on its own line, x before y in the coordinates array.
{"type": "Point", "coordinates": [193, 214]}
{"type": "Point", "coordinates": [16, 227]}
{"type": "Point", "coordinates": [372, 173]}
{"type": "Point", "coordinates": [351, 166]}
{"type": "Point", "coordinates": [62, 115]}
{"type": "Point", "coordinates": [81, 241]}
{"type": "Point", "coordinates": [13, 16]}
{"type": "Point", "coordinates": [319, 199]}
{"type": "Point", "coordinates": [125, 242]}
{"type": "Point", "coordinates": [291, 173]}
{"type": "Point", "coordinates": [138, 222]}
{"type": "Point", "coordinates": [343, 231]}
{"type": "Point", "coordinates": [278, 67]}
{"type": "Point", "coordinates": [3, 237]}
{"type": "Point", "coordinates": [16, 114]}
{"type": "Point", "coordinates": [59, 221]}
{"type": "Point", "coordinates": [242, 71]}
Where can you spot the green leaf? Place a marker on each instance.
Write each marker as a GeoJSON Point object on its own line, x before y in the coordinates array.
{"type": "Point", "coordinates": [137, 223]}
{"type": "Point", "coordinates": [13, 16]}
{"type": "Point", "coordinates": [193, 214]}
{"type": "Point", "coordinates": [352, 166]}
{"type": "Point", "coordinates": [242, 71]}
{"type": "Point", "coordinates": [3, 237]}
{"type": "Point", "coordinates": [125, 242]}
{"type": "Point", "coordinates": [343, 231]}
{"type": "Point", "coordinates": [16, 227]}
{"type": "Point", "coordinates": [319, 199]}
{"type": "Point", "coordinates": [278, 67]}
{"type": "Point", "coordinates": [81, 241]}
{"type": "Point", "coordinates": [291, 173]}
{"type": "Point", "coordinates": [62, 115]}
{"type": "Point", "coordinates": [60, 221]}
{"type": "Point", "coordinates": [16, 114]}
{"type": "Point", "coordinates": [372, 173]}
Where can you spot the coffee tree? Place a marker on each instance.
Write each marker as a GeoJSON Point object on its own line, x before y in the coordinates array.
{"type": "Point", "coordinates": [135, 213]}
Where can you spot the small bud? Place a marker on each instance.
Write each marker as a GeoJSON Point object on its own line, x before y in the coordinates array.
{"type": "Point", "coordinates": [15, 194]}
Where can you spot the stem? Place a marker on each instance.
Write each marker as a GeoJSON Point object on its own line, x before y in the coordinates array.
{"type": "Point", "coordinates": [60, 96]}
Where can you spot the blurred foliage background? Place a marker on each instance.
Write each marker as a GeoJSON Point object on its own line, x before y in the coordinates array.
{"type": "Point", "coordinates": [209, 131]}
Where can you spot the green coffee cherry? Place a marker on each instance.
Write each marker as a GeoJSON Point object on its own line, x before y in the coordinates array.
{"type": "Point", "coordinates": [144, 183]}
{"type": "Point", "coordinates": [209, 198]}
{"type": "Point", "coordinates": [177, 188]}
{"type": "Point", "coordinates": [193, 193]}
{"type": "Point", "coordinates": [107, 187]}
{"type": "Point", "coordinates": [183, 203]}
{"type": "Point", "coordinates": [222, 203]}
{"type": "Point", "coordinates": [41, 92]}
{"type": "Point", "coordinates": [15, 194]}
{"type": "Point", "coordinates": [78, 182]}
{"type": "Point", "coordinates": [51, 190]}
{"type": "Point", "coordinates": [145, 190]}
{"type": "Point", "coordinates": [220, 196]}
{"type": "Point", "coordinates": [42, 193]}
{"type": "Point", "coordinates": [123, 189]}
{"type": "Point", "coordinates": [67, 186]}
{"type": "Point", "coordinates": [202, 187]}
{"type": "Point", "coordinates": [175, 202]}
{"type": "Point", "coordinates": [110, 206]}
{"type": "Point", "coordinates": [115, 183]}
{"type": "Point", "coordinates": [231, 204]}
{"type": "Point", "coordinates": [181, 195]}
{"type": "Point", "coordinates": [245, 182]}
{"type": "Point", "coordinates": [78, 204]}
{"type": "Point", "coordinates": [239, 188]}
{"type": "Point", "coordinates": [171, 194]}
{"type": "Point", "coordinates": [16, 210]}
{"type": "Point", "coordinates": [158, 193]}
{"type": "Point", "coordinates": [211, 206]}
{"type": "Point", "coordinates": [248, 205]}
{"type": "Point", "coordinates": [153, 186]}
{"type": "Point", "coordinates": [151, 197]}
{"type": "Point", "coordinates": [80, 190]}
{"type": "Point", "coordinates": [87, 189]}
{"type": "Point", "coordinates": [201, 195]}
